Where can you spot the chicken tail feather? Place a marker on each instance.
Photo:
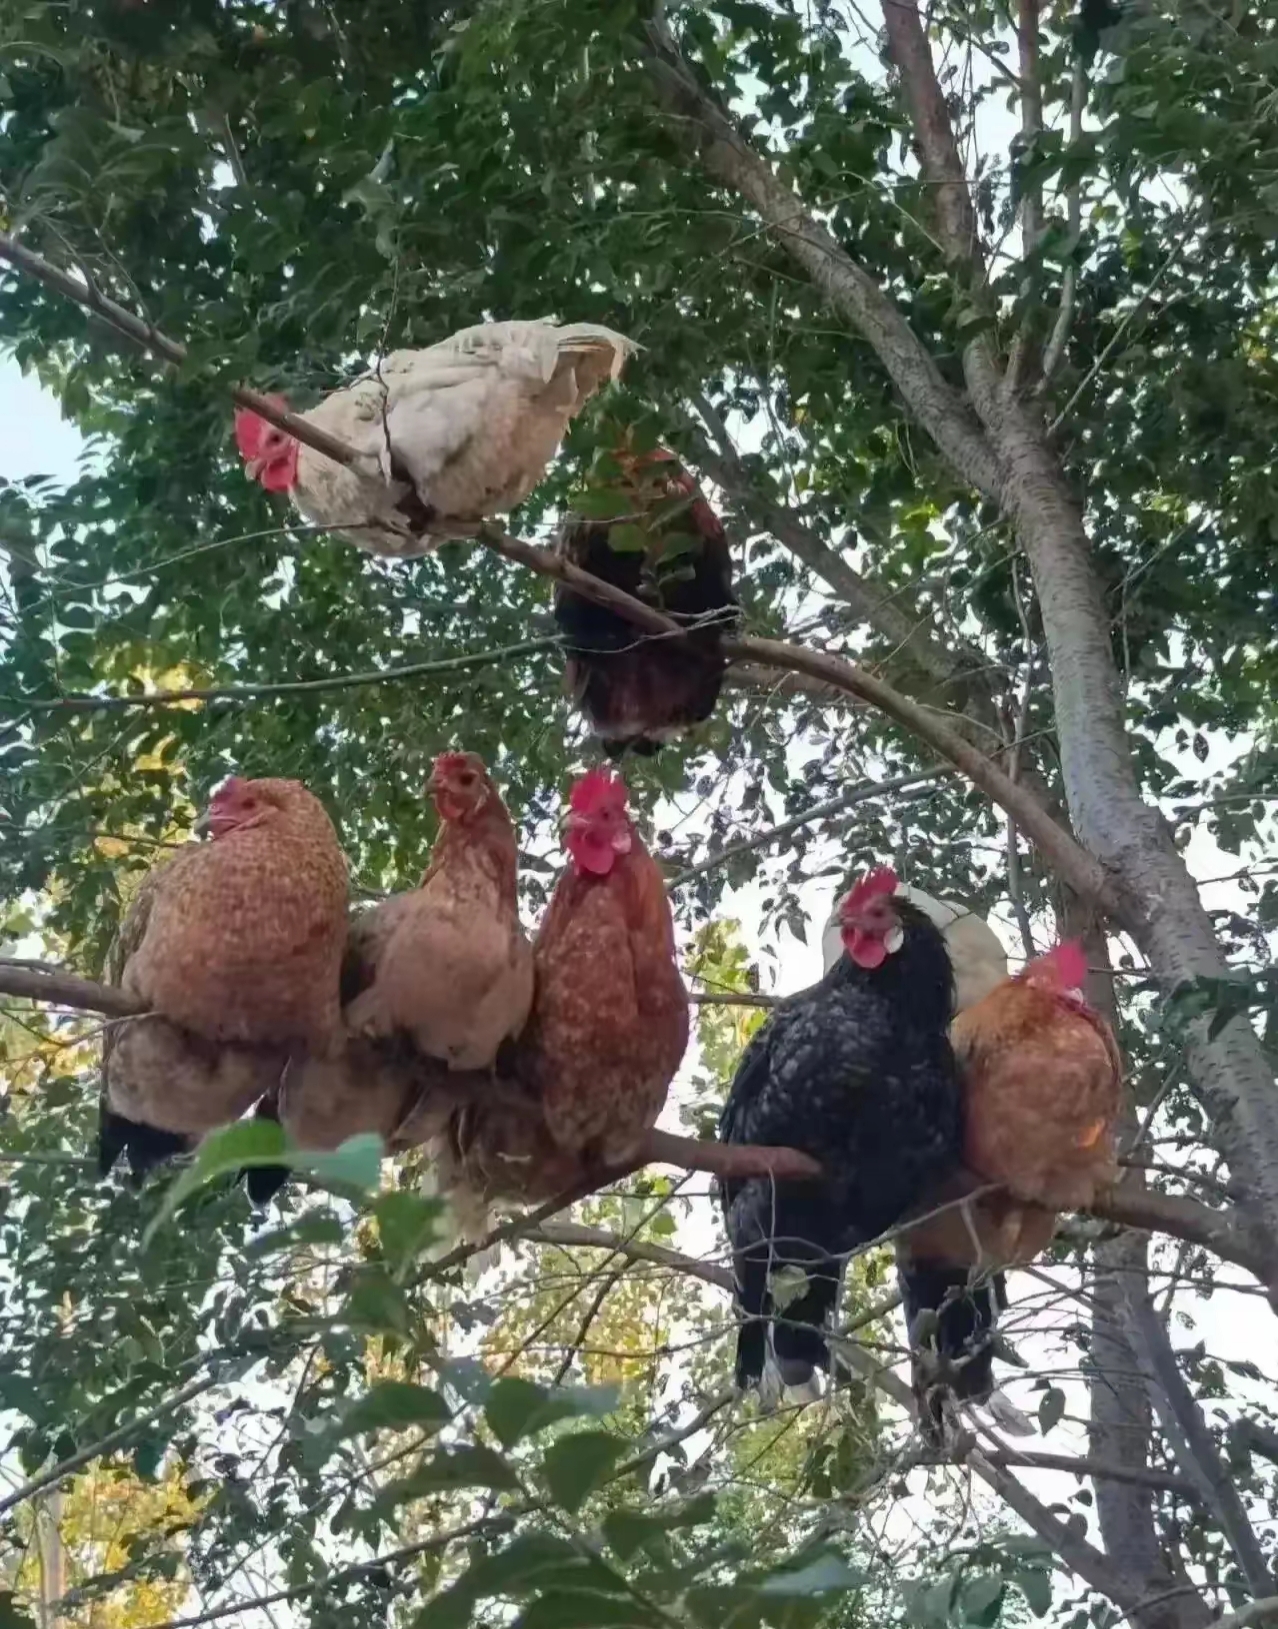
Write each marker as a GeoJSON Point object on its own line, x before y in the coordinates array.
{"type": "Point", "coordinates": [263, 1182]}
{"type": "Point", "coordinates": [951, 1324]}
{"type": "Point", "coordinates": [143, 1146]}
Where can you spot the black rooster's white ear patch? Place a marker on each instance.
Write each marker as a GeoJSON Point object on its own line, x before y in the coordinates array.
{"type": "Point", "coordinates": [894, 939]}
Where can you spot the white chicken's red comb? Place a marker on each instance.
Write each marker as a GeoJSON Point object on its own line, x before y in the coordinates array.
{"type": "Point", "coordinates": [882, 880]}
{"type": "Point", "coordinates": [1065, 967]}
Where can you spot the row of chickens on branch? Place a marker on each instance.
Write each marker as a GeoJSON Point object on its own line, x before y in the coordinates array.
{"type": "Point", "coordinates": [429, 1019]}
{"type": "Point", "coordinates": [524, 1070]}
{"type": "Point", "coordinates": [448, 436]}
{"type": "Point", "coordinates": [919, 1074]}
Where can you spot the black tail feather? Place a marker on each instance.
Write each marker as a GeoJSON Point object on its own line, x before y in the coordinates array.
{"type": "Point", "coordinates": [799, 1330]}
{"type": "Point", "coordinates": [263, 1182]}
{"type": "Point", "coordinates": [767, 1240]}
{"type": "Point", "coordinates": [143, 1147]}
{"type": "Point", "coordinates": [951, 1316]}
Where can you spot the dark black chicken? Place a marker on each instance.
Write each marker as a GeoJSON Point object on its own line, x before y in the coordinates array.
{"type": "Point", "coordinates": [669, 550]}
{"type": "Point", "coordinates": [858, 1072]}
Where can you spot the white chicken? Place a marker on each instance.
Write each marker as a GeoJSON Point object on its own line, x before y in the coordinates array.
{"type": "Point", "coordinates": [446, 435]}
{"type": "Point", "coordinates": [976, 951]}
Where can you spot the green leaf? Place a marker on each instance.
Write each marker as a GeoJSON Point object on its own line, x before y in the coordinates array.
{"type": "Point", "coordinates": [469, 1467]}
{"type": "Point", "coordinates": [625, 537]}
{"type": "Point", "coordinates": [981, 1599]}
{"type": "Point", "coordinates": [786, 1285]}
{"type": "Point", "coordinates": [629, 1531]}
{"type": "Point", "coordinates": [247, 1142]}
{"type": "Point", "coordinates": [395, 1405]}
{"type": "Point", "coordinates": [406, 1224]}
{"type": "Point", "coordinates": [518, 1408]}
{"type": "Point", "coordinates": [818, 1576]}
{"type": "Point", "coordinates": [601, 503]}
{"type": "Point", "coordinates": [580, 1609]}
{"type": "Point", "coordinates": [1036, 1587]}
{"type": "Point", "coordinates": [576, 1464]}
{"type": "Point", "coordinates": [13, 1616]}
{"type": "Point", "coordinates": [1050, 1409]}
{"type": "Point", "coordinates": [356, 1163]}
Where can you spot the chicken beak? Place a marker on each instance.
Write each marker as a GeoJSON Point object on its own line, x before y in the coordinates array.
{"type": "Point", "coordinates": [203, 824]}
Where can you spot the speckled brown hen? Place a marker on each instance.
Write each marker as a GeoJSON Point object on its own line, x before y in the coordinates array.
{"type": "Point", "coordinates": [610, 1019]}
{"type": "Point", "coordinates": [449, 966]}
{"type": "Point", "coordinates": [236, 947]}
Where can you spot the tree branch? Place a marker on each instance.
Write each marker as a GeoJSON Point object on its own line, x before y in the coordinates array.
{"type": "Point", "coordinates": [1070, 861]}
{"type": "Point", "coordinates": [1059, 337]}
{"type": "Point", "coordinates": [909, 633]}
{"type": "Point", "coordinates": [731, 160]}
{"type": "Point", "coordinates": [726, 1159]}
{"type": "Point", "coordinates": [51, 985]}
{"type": "Point", "coordinates": [934, 135]}
{"type": "Point", "coordinates": [84, 702]}
{"type": "Point", "coordinates": [105, 1445]}
{"type": "Point", "coordinates": [1188, 1433]}
{"type": "Point", "coordinates": [818, 811]}
{"type": "Point", "coordinates": [1100, 1469]}
{"type": "Point", "coordinates": [1223, 1233]}
{"type": "Point", "coordinates": [150, 339]}
{"type": "Point", "coordinates": [570, 1235]}
{"type": "Point", "coordinates": [950, 195]}
{"type": "Point", "coordinates": [1065, 856]}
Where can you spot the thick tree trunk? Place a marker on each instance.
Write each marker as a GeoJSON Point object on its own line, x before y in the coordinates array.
{"type": "Point", "coordinates": [1121, 1425]}
{"type": "Point", "coordinates": [1109, 815]}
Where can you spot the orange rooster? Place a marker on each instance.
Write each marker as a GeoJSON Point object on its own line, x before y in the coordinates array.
{"type": "Point", "coordinates": [610, 1021]}
{"type": "Point", "coordinates": [236, 946]}
{"type": "Point", "coordinates": [1042, 1083]}
{"type": "Point", "coordinates": [448, 966]}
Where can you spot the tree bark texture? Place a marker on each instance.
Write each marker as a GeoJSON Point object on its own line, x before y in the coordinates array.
{"type": "Point", "coordinates": [999, 444]}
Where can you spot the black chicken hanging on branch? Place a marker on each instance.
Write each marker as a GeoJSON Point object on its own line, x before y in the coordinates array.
{"type": "Point", "coordinates": [665, 545]}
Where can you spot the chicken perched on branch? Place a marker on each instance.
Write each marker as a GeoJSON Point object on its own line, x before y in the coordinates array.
{"type": "Point", "coordinates": [236, 947]}
{"type": "Point", "coordinates": [975, 950]}
{"type": "Point", "coordinates": [858, 1072]}
{"type": "Point", "coordinates": [610, 1021]}
{"type": "Point", "coordinates": [446, 436]}
{"type": "Point", "coordinates": [669, 549]}
{"type": "Point", "coordinates": [1043, 1085]}
{"type": "Point", "coordinates": [448, 966]}
{"type": "Point", "coordinates": [433, 983]}
{"type": "Point", "coordinates": [609, 1026]}
{"type": "Point", "coordinates": [1042, 1091]}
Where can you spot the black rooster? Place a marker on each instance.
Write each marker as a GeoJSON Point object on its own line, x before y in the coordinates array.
{"type": "Point", "coordinates": [669, 550]}
{"type": "Point", "coordinates": [858, 1072]}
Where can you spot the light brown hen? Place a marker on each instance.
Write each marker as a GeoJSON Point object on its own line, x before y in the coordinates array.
{"type": "Point", "coordinates": [236, 947]}
{"type": "Point", "coordinates": [449, 966]}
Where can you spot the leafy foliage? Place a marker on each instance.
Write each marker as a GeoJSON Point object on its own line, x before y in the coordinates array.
{"type": "Point", "coordinates": [293, 190]}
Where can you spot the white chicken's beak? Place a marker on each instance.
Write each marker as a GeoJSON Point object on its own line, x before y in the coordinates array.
{"type": "Point", "coordinates": [254, 468]}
